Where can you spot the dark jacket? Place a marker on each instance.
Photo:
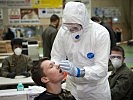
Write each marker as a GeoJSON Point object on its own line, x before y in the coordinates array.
{"type": "Point", "coordinates": [8, 35]}
{"type": "Point", "coordinates": [111, 33]}
{"type": "Point", "coordinates": [64, 95]}
{"type": "Point", "coordinates": [48, 37]}
{"type": "Point", "coordinates": [121, 83]}
{"type": "Point", "coordinates": [17, 65]}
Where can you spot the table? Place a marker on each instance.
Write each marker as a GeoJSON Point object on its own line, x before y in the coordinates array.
{"type": "Point", "coordinates": [5, 54]}
{"type": "Point", "coordinates": [0, 64]}
{"type": "Point", "coordinates": [27, 94]}
{"type": "Point", "coordinates": [8, 81]}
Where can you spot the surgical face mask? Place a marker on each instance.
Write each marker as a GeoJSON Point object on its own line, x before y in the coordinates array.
{"type": "Point", "coordinates": [116, 62]}
{"type": "Point", "coordinates": [72, 27]}
{"type": "Point", "coordinates": [77, 35]}
{"type": "Point", "coordinates": [18, 51]}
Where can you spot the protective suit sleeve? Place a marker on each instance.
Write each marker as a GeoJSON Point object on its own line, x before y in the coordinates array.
{"type": "Point", "coordinates": [57, 52]}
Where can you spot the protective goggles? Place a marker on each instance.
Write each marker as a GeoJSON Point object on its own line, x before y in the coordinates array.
{"type": "Point", "coordinates": [72, 27]}
{"type": "Point", "coordinates": [115, 56]}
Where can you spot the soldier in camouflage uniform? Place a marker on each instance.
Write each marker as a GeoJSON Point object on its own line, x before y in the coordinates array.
{"type": "Point", "coordinates": [50, 76]}
{"type": "Point", "coordinates": [16, 64]}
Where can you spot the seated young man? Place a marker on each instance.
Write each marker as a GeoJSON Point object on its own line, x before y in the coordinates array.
{"type": "Point", "coordinates": [16, 64]}
{"type": "Point", "coordinates": [49, 75]}
{"type": "Point", "coordinates": [121, 79]}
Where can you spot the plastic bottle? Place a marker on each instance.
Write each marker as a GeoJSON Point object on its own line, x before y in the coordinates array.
{"type": "Point", "coordinates": [20, 87]}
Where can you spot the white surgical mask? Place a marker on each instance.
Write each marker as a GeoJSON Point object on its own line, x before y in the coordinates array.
{"type": "Point", "coordinates": [77, 35]}
{"type": "Point", "coordinates": [116, 62]}
{"type": "Point", "coordinates": [18, 51]}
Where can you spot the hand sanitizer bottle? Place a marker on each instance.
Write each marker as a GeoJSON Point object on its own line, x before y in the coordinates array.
{"type": "Point", "coordinates": [20, 87]}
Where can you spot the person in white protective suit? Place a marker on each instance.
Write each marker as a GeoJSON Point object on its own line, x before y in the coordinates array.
{"type": "Point", "coordinates": [86, 45]}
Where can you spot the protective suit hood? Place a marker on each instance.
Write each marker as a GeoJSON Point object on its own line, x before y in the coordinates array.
{"type": "Point", "coordinates": [76, 12]}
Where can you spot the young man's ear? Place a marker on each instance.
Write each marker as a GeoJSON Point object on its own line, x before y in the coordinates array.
{"type": "Point", "coordinates": [44, 79]}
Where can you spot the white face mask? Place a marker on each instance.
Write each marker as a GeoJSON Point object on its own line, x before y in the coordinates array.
{"type": "Point", "coordinates": [116, 63]}
{"type": "Point", "coordinates": [18, 51]}
{"type": "Point", "coordinates": [77, 35]}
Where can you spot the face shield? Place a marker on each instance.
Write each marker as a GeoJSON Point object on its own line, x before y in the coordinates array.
{"type": "Point", "coordinates": [72, 27]}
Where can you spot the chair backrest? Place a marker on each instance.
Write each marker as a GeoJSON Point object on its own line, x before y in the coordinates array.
{"type": "Point", "coordinates": [33, 50]}
{"type": "Point", "coordinates": [5, 47]}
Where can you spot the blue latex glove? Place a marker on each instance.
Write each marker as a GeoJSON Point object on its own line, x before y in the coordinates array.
{"type": "Point", "coordinates": [68, 67]}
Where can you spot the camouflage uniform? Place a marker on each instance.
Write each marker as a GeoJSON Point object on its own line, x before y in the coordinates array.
{"type": "Point", "coordinates": [64, 95]}
{"type": "Point", "coordinates": [16, 64]}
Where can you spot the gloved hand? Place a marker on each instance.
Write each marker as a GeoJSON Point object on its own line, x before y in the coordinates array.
{"type": "Point", "coordinates": [26, 74]}
{"type": "Point", "coordinates": [68, 67]}
{"type": "Point", "coordinates": [11, 75]}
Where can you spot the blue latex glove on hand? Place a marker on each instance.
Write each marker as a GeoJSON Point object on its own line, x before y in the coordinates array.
{"type": "Point", "coordinates": [68, 67]}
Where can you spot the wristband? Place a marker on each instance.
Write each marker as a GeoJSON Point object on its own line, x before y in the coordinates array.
{"type": "Point", "coordinates": [82, 72]}
{"type": "Point", "coordinates": [78, 73]}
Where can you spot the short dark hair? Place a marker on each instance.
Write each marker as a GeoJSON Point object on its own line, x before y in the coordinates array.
{"type": "Point", "coordinates": [16, 41]}
{"type": "Point", "coordinates": [118, 48]}
{"type": "Point", "coordinates": [77, 1]}
{"type": "Point", "coordinates": [37, 73]}
{"type": "Point", "coordinates": [54, 17]}
{"type": "Point", "coordinates": [95, 19]}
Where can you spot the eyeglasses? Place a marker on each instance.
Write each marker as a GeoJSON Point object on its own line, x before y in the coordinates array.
{"type": "Point", "coordinates": [72, 27]}
{"type": "Point", "coordinates": [115, 56]}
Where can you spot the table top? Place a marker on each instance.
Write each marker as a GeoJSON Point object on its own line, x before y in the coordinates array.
{"type": "Point", "coordinates": [0, 64]}
{"type": "Point", "coordinates": [3, 57]}
{"type": "Point", "coordinates": [9, 81]}
{"type": "Point", "coordinates": [5, 54]}
{"type": "Point", "coordinates": [31, 90]}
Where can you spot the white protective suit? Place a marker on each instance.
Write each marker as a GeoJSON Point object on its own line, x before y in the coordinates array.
{"type": "Point", "coordinates": [93, 39]}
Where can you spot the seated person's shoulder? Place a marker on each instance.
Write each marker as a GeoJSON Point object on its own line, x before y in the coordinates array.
{"type": "Point", "coordinates": [8, 58]}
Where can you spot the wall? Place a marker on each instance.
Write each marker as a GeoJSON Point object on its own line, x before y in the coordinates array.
{"type": "Point", "coordinates": [125, 18]}
{"type": "Point", "coordinates": [132, 17]}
